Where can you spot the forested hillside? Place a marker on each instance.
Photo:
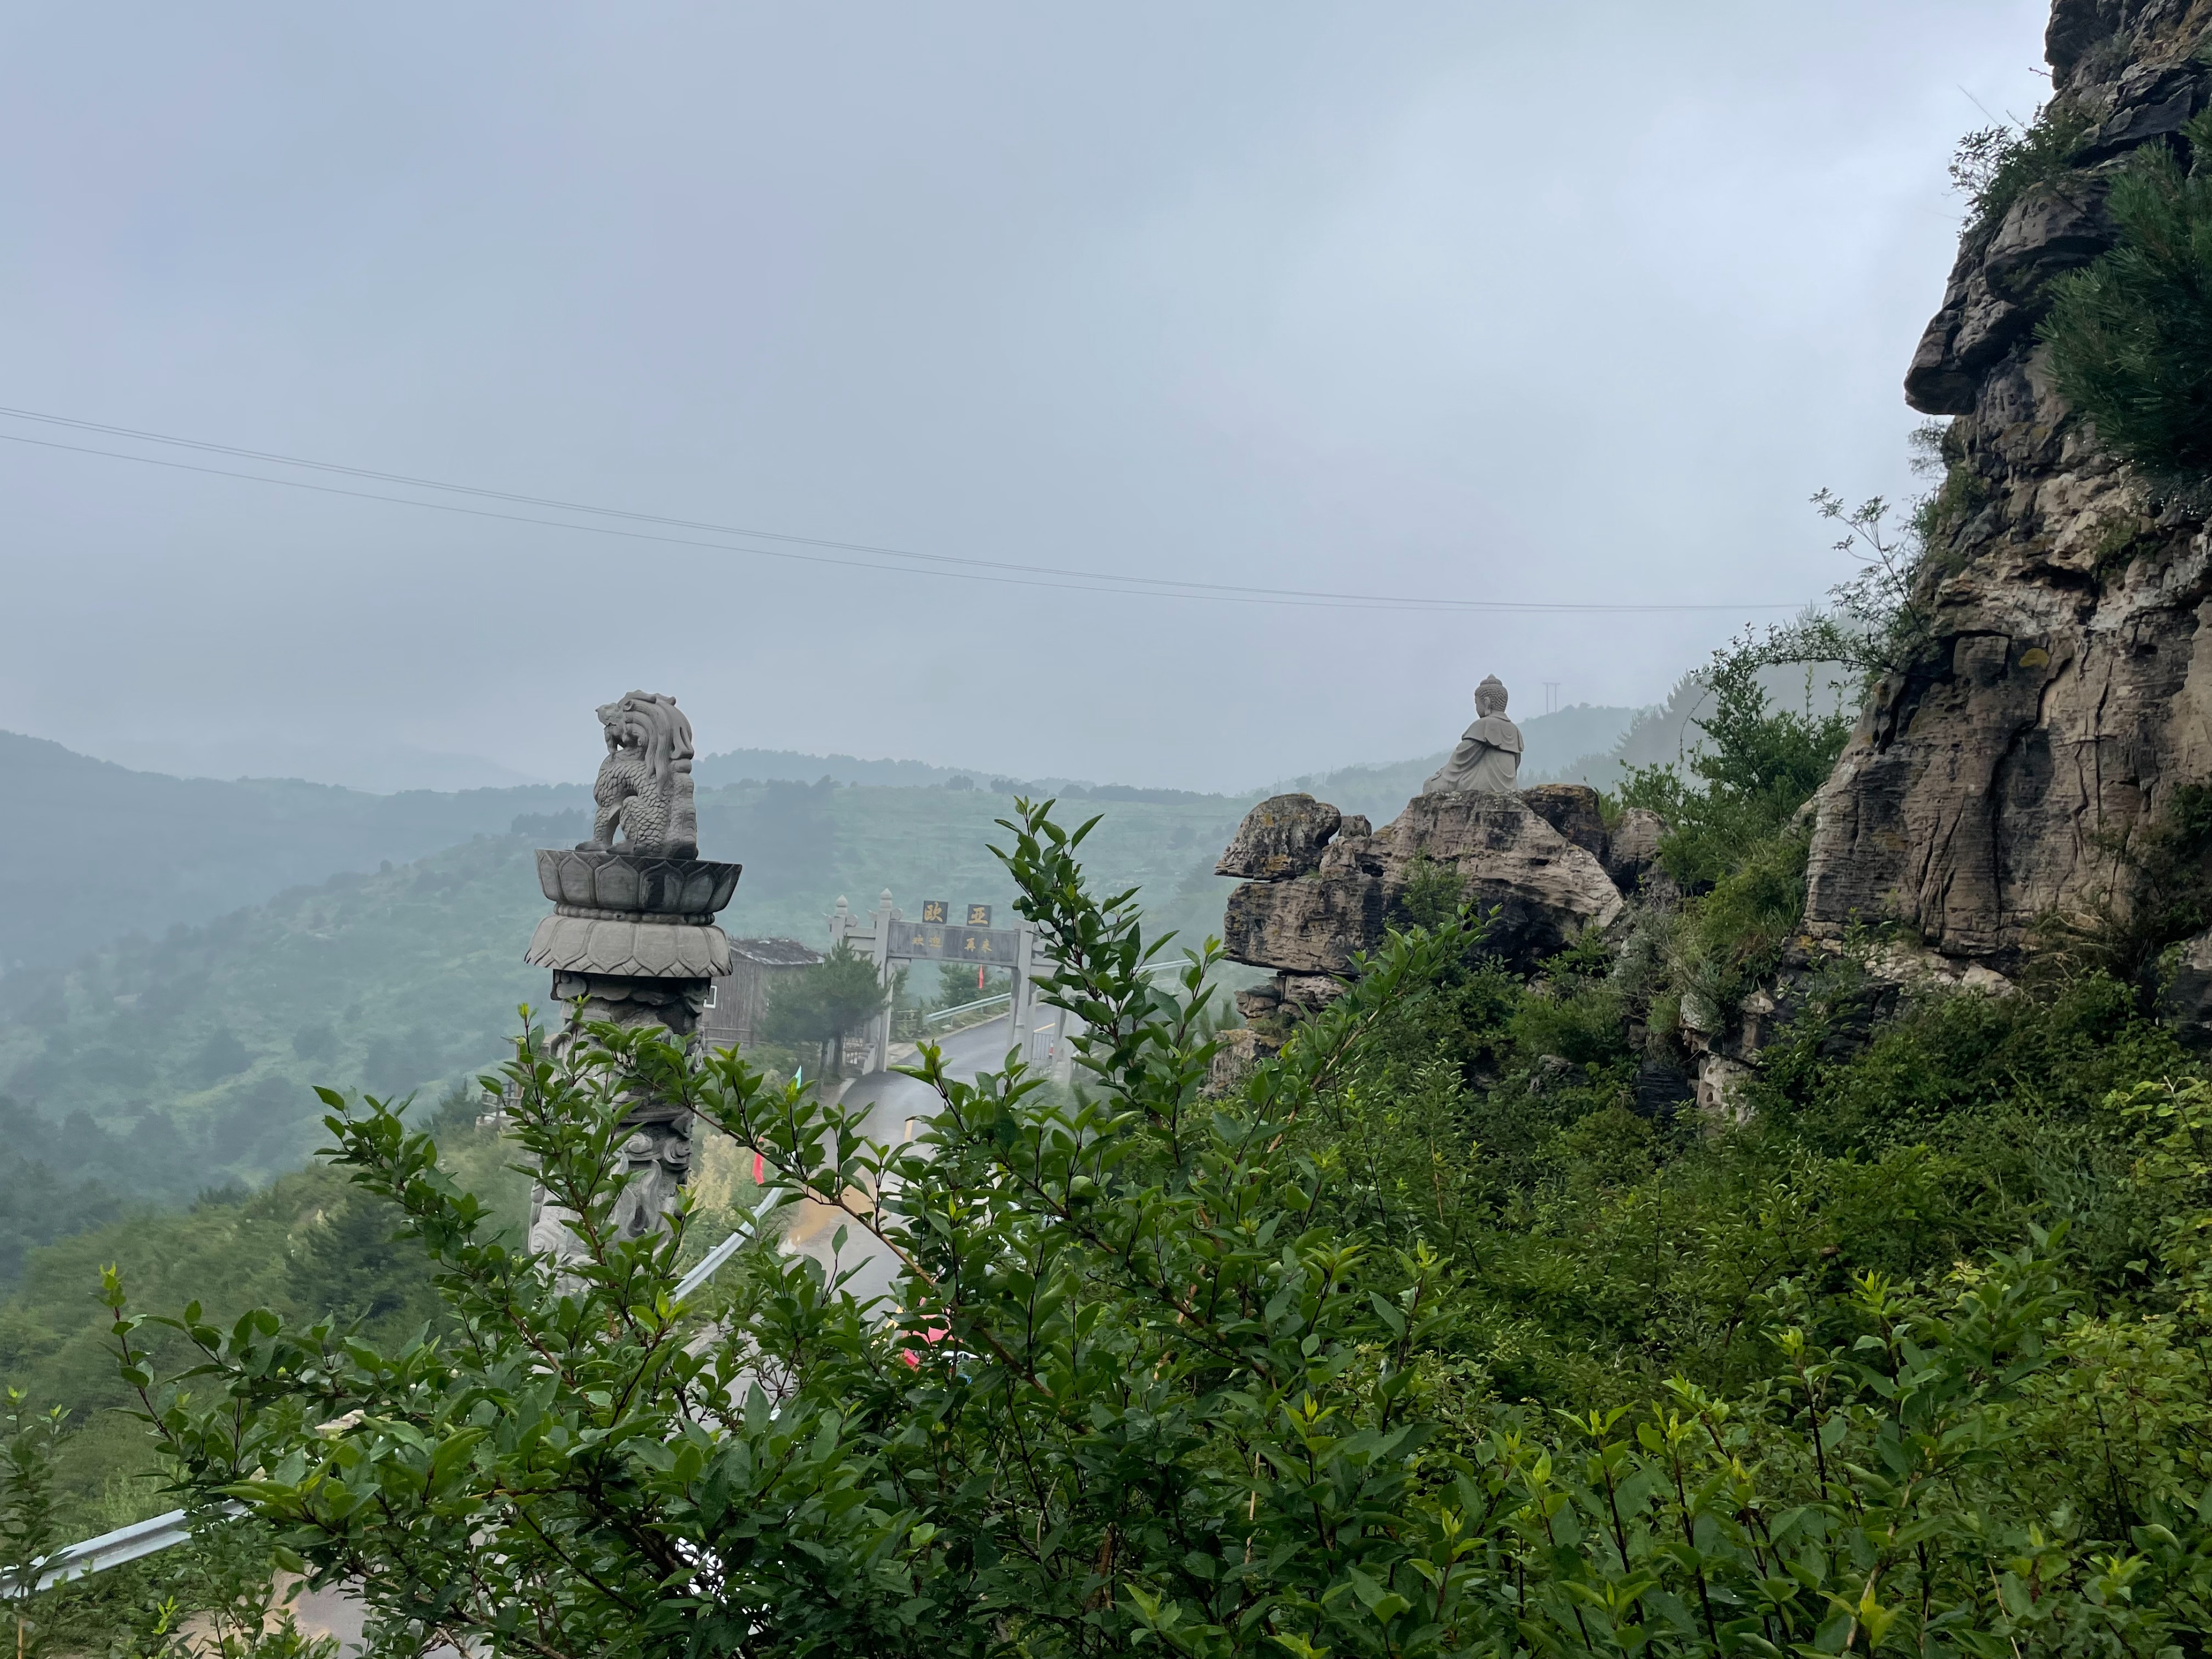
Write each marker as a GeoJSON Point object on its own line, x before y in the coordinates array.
{"type": "Point", "coordinates": [90, 851]}
{"type": "Point", "coordinates": [194, 1028]}
{"type": "Point", "coordinates": [792, 766]}
{"type": "Point", "coordinates": [101, 852]}
{"type": "Point", "coordinates": [191, 1056]}
{"type": "Point", "coordinates": [308, 1243]}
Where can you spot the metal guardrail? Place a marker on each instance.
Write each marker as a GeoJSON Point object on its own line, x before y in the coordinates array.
{"type": "Point", "coordinates": [161, 1532]}
{"type": "Point", "coordinates": [1150, 970]}
{"type": "Point", "coordinates": [110, 1549]}
{"type": "Point", "coordinates": [710, 1263]}
{"type": "Point", "coordinates": [1175, 966]}
{"type": "Point", "coordinates": [966, 1007]}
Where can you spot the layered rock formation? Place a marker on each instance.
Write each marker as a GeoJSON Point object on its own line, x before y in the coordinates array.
{"type": "Point", "coordinates": [1323, 888]}
{"type": "Point", "coordinates": [2064, 689]}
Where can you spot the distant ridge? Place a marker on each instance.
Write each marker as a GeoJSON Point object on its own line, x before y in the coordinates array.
{"type": "Point", "coordinates": [791, 766]}
{"type": "Point", "coordinates": [98, 850]}
{"type": "Point", "coordinates": [375, 769]}
{"type": "Point", "coordinates": [1561, 745]}
{"type": "Point", "coordinates": [94, 850]}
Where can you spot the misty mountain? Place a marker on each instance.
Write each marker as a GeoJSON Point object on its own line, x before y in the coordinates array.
{"type": "Point", "coordinates": [97, 851]}
{"type": "Point", "coordinates": [94, 851]}
{"type": "Point", "coordinates": [1556, 747]}
{"type": "Point", "coordinates": [379, 769]}
{"type": "Point", "coordinates": [188, 1059]}
{"type": "Point", "coordinates": [1668, 734]}
{"type": "Point", "coordinates": [143, 851]}
{"type": "Point", "coordinates": [790, 766]}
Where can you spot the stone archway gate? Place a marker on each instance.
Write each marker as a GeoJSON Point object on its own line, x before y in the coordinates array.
{"type": "Point", "coordinates": [886, 938]}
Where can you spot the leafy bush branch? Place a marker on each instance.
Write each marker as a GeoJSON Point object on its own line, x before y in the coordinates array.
{"type": "Point", "coordinates": [1138, 1383]}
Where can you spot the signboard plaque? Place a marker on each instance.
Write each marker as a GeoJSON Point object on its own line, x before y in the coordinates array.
{"type": "Point", "coordinates": [922, 941]}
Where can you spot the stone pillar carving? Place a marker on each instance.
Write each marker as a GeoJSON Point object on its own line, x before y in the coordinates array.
{"type": "Point", "coordinates": [633, 933]}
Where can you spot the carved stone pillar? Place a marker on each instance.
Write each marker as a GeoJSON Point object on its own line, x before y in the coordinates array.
{"type": "Point", "coordinates": [635, 938]}
{"type": "Point", "coordinates": [633, 933]}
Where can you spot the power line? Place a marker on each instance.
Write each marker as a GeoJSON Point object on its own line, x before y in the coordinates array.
{"type": "Point", "coordinates": [934, 564]}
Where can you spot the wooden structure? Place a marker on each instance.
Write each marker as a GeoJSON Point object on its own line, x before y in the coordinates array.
{"type": "Point", "coordinates": [735, 1005]}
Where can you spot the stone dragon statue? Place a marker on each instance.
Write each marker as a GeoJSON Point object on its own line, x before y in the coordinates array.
{"type": "Point", "coordinates": [644, 787]}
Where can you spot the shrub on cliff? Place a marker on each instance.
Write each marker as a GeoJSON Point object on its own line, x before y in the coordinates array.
{"type": "Point", "coordinates": [1993, 166]}
{"type": "Point", "coordinates": [1757, 767]}
{"type": "Point", "coordinates": [2131, 336]}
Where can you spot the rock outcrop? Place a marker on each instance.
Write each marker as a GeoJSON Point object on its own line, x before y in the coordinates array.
{"type": "Point", "coordinates": [1632, 849]}
{"type": "Point", "coordinates": [1541, 890]}
{"type": "Point", "coordinates": [1573, 810]}
{"type": "Point", "coordinates": [1281, 837]}
{"type": "Point", "coordinates": [1312, 924]}
{"type": "Point", "coordinates": [2064, 687]}
{"type": "Point", "coordinates": [2187, 997]}
{"type": "Point", "coordinates": [1326, 889]}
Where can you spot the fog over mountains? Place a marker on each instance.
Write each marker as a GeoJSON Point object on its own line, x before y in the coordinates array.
{"type": "Point", "coordinates": [108, 851]}
{"type": "Point", "coordinates": [145, 851]}
{"type": "Point", "coordinates": [182, 965]}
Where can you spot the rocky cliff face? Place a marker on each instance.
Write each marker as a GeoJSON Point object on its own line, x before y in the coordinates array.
{"type": "Point", "coordinates": [2065, 688]}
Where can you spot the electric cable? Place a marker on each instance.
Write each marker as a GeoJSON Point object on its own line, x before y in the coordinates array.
{"type": "Point", "coordinates": [936, 564]}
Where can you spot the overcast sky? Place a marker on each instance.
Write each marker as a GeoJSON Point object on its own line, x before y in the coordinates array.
{"type": "Point", "coordinates": [1477, 301]}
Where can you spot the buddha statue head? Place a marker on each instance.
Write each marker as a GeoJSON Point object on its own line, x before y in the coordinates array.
{"type": "Point", "coordinates": [1489, 698]}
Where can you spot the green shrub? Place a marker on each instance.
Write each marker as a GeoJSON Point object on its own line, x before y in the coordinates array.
{"type": "Point", "coordinates": [1610, 1149]}
{"type": "Point", "coordinates": [1180, 1405]}
{"type": "Point", "coordinates": [1759, 766]}
{"type": "Point", "coordinates": [1433, 893]}
{"type": "Point", "coordinates": [2131, 336]}
{"type": "Point", "coordinates": [2063, 1051]}
{"type": "Point", "coordinates": [1729, 938]}
{"type": "Point", "coordinates": [1209, 1385]}
{"type": "Point", "coordinates": [1993, 166]}
{"type": "Point", "coordinates": [1579, 1022]}
{"type": "Point", "coordinates": [215, 1596]}
{"type": "Point", "coordinates": [1733, 844]}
